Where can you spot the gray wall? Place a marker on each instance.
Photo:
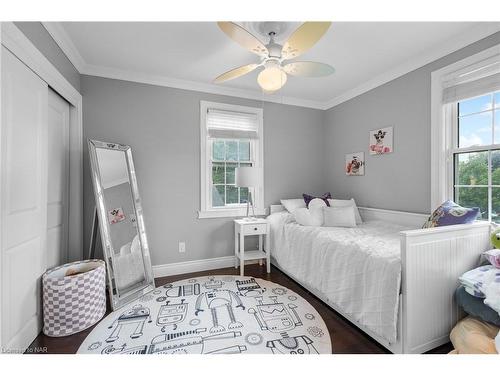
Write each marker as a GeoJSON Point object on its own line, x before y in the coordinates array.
{"type": "Point", "coordinates": [42, 40]}
{"type": "Point", "coordinates": [400, 180]}
{"type": "Point", "coordinates": [163, 127]}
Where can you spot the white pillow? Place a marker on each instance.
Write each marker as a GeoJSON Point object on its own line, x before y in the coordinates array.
{"type": "Point", "coordinates": [347, 203]}
{"type": "Point", "coordinates": [136, 245]}
{"type": "Point", "coordinates": [312, 216]}
{"type": "Point", "coordinates": [292, 204]}
{"type": "Point", "coordinates": [303, 217]}
{"type": "Point", "coordinates": [125, 249]}
{"type": "Point", "coordinates": [339, 217]}
{"type": "Point", "coordinates": [316, 209]}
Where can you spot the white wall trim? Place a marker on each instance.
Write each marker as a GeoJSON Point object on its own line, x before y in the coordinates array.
{"type": "Point", "coordinates": [181, 268]}
{"type": "Point", "coordinates": [64, 42]}
{"type": "Point", "coordinates": [234, 212]}
{"type": "Point", "coordinates": [454, 44]}
{"type": "Point", "coordinates": [165, 81]}
{"type": "Point", "coordinates": [192, 266]}
{"type": "Point", "coordinates": [16, 42]}
{"type": "Point", "coordinates": [441, 136]}
{"type": "Point", "coordinates": [257, 146]}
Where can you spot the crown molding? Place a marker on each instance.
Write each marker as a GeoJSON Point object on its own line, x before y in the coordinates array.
{"type": "Point", "coordinates": [61, 37]}
{"type": "Point", "coordinates": [63, 40]}
{"type": "Point", "coordinates": [475, 34]}
{"type": "Point", "coordinates": [157, 80]}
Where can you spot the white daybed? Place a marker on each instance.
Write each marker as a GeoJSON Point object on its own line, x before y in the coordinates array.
{"type": "Point", "coordinates": [431, 262]}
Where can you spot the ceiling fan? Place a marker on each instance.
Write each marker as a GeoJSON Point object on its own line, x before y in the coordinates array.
{"type": "Point", "coordinates": [274, 56]}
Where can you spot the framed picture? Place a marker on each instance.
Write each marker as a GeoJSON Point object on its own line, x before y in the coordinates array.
{"type": "Point", "coordinates": [355, 164]}
{"type": "Point", "coordinates": [381, 141]}
{"type": "Point", "coordinates": [116, 215]}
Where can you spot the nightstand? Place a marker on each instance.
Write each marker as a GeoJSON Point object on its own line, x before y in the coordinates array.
{"type": "Point", "coordinates": [243, 228]}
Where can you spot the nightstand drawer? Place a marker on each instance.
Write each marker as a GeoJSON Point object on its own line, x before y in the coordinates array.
{"type": "Point", "coordinates": [249, 229]}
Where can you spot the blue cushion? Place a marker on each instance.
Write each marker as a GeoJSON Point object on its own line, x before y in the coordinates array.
{"type": "Point", "coordinates": [450, 213]}
{"type": "Point", "coordinates": [475, 307]}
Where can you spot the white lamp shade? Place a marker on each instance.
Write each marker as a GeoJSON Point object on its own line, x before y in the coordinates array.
{"type": "Point", "coordinates": [271, 79]}
{"type": "Point", "coordinates": [248, 176]}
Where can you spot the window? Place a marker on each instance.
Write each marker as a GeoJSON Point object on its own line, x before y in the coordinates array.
{"type": "Point", "coordinates": [465, 133]}
{"type": "Point", "coordinates": [476, 157]}
{"type": "Point", "coordinates": [231, 137]}
{"type": "Point", "coordinates": [227, 154]}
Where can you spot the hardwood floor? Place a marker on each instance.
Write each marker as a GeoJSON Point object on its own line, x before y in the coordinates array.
{"type": "Point", "coordinates": [346, 338]}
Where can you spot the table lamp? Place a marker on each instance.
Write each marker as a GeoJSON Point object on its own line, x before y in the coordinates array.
{"type": "Point", "coordinates": [249, 177]}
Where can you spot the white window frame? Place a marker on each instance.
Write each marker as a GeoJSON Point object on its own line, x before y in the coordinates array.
{"type": "Point", "coordinates": [257, 159]}
{"type": "Point", "coordinates": [452, 119]}
{"type": "Point", "coordinates": [444, 125]}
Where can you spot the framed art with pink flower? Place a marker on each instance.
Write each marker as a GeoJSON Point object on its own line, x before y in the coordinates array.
{"type": "Point", "coordinates": [381, 141]}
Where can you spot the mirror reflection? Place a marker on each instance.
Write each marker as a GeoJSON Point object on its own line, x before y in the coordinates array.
{"type": "Point", "coordinates": [119, 215]}
{"type": "Point", "coordinates": [119, 205]}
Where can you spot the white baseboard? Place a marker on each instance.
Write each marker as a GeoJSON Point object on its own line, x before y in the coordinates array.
{"type": "Point", "coordinates": [162, 270]}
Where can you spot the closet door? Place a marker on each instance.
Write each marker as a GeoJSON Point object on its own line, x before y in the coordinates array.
{"type": "Point", "coordinates": [58, 180]}
{"type": "Point", "coordinates": [23, 203]}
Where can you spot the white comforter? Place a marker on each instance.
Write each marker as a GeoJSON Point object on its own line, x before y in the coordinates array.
{"type": "Point", "coordinates": [358, 269]}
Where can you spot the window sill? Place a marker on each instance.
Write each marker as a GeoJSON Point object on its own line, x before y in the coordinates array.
{"type": "Point", "coordinates": [239, 212]}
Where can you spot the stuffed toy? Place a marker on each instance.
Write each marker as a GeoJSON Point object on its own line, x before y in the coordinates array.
{"type": "Point", "coordinates": [495, 238]}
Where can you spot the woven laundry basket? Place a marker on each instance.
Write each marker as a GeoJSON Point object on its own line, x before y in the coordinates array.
{"type": "Point", "coordinates": [73, 303]}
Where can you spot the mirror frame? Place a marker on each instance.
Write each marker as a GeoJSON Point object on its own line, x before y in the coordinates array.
{"type": "Point", "coordinates": [119, 299]}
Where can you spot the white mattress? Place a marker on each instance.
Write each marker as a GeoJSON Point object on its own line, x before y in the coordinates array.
{"type": "Point", "coordinates": [358, 269]}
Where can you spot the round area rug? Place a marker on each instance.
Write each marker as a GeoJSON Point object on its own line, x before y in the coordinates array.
{"type": "Point", "coordinates": [213, 315]}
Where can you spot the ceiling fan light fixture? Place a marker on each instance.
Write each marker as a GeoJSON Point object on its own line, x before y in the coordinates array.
{"type": "Point", "coordinates": [272, 55]}
{"type": "Point", "coordinates": [271, 79]}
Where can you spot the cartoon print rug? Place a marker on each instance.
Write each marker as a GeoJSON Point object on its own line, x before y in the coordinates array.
{"type": "Point", "coordinates": [213, 315]}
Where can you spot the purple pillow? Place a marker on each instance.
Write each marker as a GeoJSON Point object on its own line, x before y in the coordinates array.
{"type": "Point", "coordinates": [450, 213]}
{"type": "Point", "coordinates": [308, 198]}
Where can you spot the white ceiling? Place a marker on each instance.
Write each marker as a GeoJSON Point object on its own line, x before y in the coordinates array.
{"type": "Point", "coordinates": [191, 54]}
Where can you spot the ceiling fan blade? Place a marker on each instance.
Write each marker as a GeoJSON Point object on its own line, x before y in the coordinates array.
{"type": "Point", "coordinates": [308, 69]}
{"type": "Point", "coordinates": [243, 38]}
{"type": "Point", "coordinates": [307, 35]}
{"type": "Point", "coordinates": [235, 73]}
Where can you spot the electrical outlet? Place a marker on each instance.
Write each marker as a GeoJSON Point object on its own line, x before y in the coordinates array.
{"type": "Point", "coordinates": [182, 247]}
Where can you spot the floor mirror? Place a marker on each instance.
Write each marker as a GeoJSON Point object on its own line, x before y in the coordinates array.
{"type": "Point", "coordinates": [120, 220]}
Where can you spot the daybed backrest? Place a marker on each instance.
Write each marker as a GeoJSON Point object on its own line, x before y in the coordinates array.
{"type": "Point", "coordinates": [407, 219]}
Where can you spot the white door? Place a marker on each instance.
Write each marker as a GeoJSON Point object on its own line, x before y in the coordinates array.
{"type": "Point", "coordinates": [58, 180]}
{"type": "Point", "coordinates": [23, 202]}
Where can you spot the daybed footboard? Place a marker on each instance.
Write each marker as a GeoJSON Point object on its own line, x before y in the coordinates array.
{"type": "Point", "coordinates": [432, 260]}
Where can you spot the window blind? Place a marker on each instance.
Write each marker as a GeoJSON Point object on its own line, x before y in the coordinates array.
{"type": "Point", "coordinates": [470, 89]}
{"type": "Point", "coordinates": [228, 124]}
{"type": "Point", "coordinates": [474, 81]}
